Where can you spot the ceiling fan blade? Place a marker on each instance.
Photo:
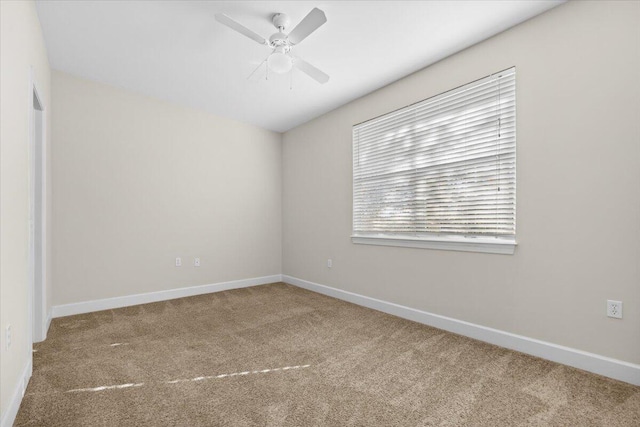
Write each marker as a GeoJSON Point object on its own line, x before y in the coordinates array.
{"type": "Point", "coordinates": [308, 25]}
{"type": "Point", "coordinates": [225, 20]}
{"type": "Point", "coordinates": [311, 71]}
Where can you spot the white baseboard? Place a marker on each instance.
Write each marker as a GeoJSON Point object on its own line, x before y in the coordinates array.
{"type": "Point", "coordinates": [49, 317]}
{"type": "Point", "coordinates": [602, 365]}
{"type": "Point", "coordinates": [48, 324]}
{"type": "Point", "coordinates": [125, 301]}
{"type": "Point", "coordinates": [10, 414]}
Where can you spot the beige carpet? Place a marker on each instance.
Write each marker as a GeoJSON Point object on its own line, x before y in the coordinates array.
{"type": "Point", "coordinates": [277, 355]}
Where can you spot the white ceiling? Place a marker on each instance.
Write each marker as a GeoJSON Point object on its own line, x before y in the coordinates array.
{"type": "Point", "coordinates": [175, 50]}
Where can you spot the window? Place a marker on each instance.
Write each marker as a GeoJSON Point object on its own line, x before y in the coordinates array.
{"type": "Point", "coordinates": [440, 173]}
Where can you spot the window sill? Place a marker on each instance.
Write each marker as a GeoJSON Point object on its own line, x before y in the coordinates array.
{"type": "Point", "coordinates": [464, 244]}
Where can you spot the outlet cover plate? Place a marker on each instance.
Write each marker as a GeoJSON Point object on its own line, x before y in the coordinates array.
{"type": "Point", "coordinates": [614, 309]}
{"type": "Point", "coordinates": [7, 337]}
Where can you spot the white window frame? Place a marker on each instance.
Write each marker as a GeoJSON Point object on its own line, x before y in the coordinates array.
{"type": "Point", "coordinates": [467, 243]}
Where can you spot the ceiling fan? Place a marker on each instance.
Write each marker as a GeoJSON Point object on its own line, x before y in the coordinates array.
{"type": "Point", "coordinates": [281, 59]}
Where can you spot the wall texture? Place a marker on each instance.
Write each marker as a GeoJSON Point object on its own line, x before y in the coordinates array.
{"type": "Point", "coordinates": [139, 182]}
{"type": "Point", "coordinates": [21, 46]}
{"type": "Point", "coordinates": [578, 206]}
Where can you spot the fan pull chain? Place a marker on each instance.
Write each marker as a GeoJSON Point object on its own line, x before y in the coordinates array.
{"type": "Point", "coordinates": [256, 69]}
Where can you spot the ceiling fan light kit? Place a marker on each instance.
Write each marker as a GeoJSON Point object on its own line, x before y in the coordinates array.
{"type": "Point", "coordinates": [280, 60]}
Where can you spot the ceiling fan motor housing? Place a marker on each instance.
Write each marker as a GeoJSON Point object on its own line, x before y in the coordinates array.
{"type": "Point", "coordinates": [279, 39]}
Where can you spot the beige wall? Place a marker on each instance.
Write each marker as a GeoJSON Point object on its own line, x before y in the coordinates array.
{"type": "Point", "coordinates": [21, 46]}
{"type": "Point", "coordinates": [138, 182]}
{"type": "Point", "coordinates": [578, 207]}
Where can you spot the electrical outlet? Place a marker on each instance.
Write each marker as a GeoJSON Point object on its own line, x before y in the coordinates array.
{"type": "Point", "coordinates": [614, 309]}
{"type": "Point", "coordinates": [178, 262]}
{"type": "Point", "coordinates": [196, 262]}
{"type": "Point", "coordinates": [8, 337]}
{"type": "Point", "coordinates": [329, 263]}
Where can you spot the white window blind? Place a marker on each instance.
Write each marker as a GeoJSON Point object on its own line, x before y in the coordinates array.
{"type": "Point", "coordinates": [442, 169]}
